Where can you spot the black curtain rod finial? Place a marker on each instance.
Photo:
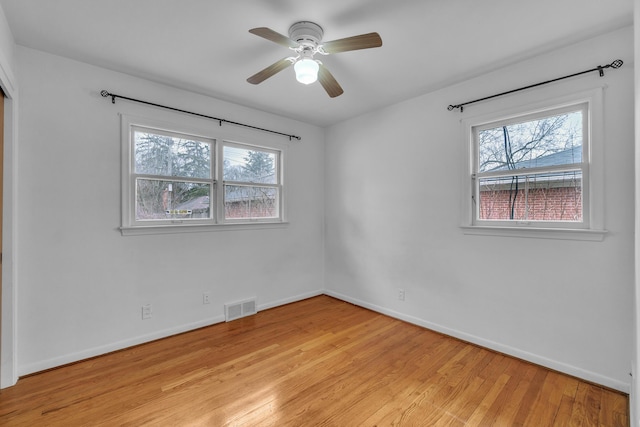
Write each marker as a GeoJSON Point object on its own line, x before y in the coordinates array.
{"type": "Point", "coordinates": [616, 64]}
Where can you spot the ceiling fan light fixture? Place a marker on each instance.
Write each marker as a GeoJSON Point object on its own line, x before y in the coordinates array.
{"type": "Point", "coordinates": [306, 70]}
{"type": "Point", "coordinates": [305, 39]}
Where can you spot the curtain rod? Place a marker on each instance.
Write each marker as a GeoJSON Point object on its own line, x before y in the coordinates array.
{"type": "Point", "coordinates": [600, 69]}
{"type": "Point", "coordinates": [113, 96]}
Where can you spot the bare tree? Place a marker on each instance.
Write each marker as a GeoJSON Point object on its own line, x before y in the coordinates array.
{"type": "Point", "coordinates": [505, 147]}
{"type": "Point", "coordinates": [166, 156]}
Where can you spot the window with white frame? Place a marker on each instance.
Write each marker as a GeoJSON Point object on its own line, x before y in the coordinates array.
{"type": "Point", "coordinates": [252, 185]}
{"type": "Point", "coordinates": [173, 179]}
{"type": "Point", "coordinates": [533, 169]}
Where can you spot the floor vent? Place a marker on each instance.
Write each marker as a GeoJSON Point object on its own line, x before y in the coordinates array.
{"type": "Point", "coordinates": [240, 309]}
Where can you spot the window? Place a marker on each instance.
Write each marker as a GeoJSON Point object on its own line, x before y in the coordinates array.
{"type": "Point", "coordinates": [251, 183]}
{"type": "Point", "coordinates": [176, 180]}
{"type": "Point", "coordinates": [533, 170]}
{"type": "Point", "coordinates": [172, 176]}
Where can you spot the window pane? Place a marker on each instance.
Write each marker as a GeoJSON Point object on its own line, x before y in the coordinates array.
{"type": "Point", "coordinates": [250, 202]}
{"type": "Point", "coordinates": [171, 156]}
{"type": "Point", "coordinates": [541, 197]}
{"type": "Point", "coordinates": [247, 165]}
{"type": "Point", "coordinates": [550, 141]}
{"type": "Point", "coordinates": [161, 200]}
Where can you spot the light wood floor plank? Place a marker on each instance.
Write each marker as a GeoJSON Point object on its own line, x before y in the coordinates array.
{"type": "Point", "coordinates": [509, 402]}
{"type": "Point", "coordinates": [318, 362]}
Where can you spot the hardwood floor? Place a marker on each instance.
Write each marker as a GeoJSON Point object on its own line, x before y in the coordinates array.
{"type": "Point", "coordinates": [316, 362]}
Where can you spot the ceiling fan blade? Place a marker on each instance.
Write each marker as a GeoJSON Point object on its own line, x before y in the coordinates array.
{"type": "Point", "coordinates": [269, 34]}
{"type": "Point", "coordinates": [363, 41]}
{"type": "Point", "coordinates": [272, 69]}
{"type": "Point", "coordinates": [328, 82]}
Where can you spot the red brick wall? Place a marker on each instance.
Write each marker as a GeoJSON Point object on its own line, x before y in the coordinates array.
{"type": "Point", "coordinates": [547, 204]}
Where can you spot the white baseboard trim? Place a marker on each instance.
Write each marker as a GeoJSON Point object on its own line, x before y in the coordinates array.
{"type": "Point", "coordinates": [120, 345]}
{"type": "Point", "coordinates": [502, 348]}
{"type": "Point", "coordinates": [290, 300]}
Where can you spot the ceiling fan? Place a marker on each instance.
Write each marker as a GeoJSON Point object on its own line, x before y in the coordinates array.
{"type": "Point", "coordinates": [305, 39]}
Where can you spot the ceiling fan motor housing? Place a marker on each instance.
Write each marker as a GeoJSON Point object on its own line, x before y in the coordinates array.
{"type": "Point", "coordinates": [306, 33]}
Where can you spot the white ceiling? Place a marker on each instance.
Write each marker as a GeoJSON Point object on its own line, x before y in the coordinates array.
{"type": "Point", "coordinates": [205, 46]}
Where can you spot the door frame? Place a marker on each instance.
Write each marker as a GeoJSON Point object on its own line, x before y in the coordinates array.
{"type": "Point", "coordinates": [8, 312]}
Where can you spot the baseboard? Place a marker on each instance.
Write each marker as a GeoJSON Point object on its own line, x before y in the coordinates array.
{"type": "Point", "coordinates": [286, 301]}
{"type": "Point", "coordinates": [492, 345]}
{"type": "Point", "coordinates": [120, 345]}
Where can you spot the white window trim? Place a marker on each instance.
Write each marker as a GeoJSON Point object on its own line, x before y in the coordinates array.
{"type": "Point", "coordinates": [130, 227]}
{"type": "Point", "coordinates": [594, 230]}
{"type": "Point", "coordinates": [132, 177]}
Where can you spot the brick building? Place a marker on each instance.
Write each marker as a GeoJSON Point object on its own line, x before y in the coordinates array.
{"type": "Point", "coordinates": [535, 197]}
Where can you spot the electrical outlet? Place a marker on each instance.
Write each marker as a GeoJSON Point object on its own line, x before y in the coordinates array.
{"type": "Point", "coordinates": [147, 311]}
{"type": "Point", "coordinates": [206, 298]}
{"type": "Point", "coordinates": [401, 294]}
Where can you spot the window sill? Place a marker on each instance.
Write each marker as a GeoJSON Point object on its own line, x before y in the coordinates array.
{"type": "Point", "coordinates": [537, 233]}
{"type": "Point", "coordinates": [197, 228]}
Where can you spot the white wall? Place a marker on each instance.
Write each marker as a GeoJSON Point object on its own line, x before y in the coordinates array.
{"type": "Point", "coordinates": [393, 192]}
{"type": "Point", "coordinates": [82, 283]}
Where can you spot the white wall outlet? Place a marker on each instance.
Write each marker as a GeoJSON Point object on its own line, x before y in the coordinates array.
{"type": "Point", "coordinates": [206, 298]}
{"type": "Point", "coordinates": [147, 311]}
{"type": "Point", "coordinates": [401, 294]}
